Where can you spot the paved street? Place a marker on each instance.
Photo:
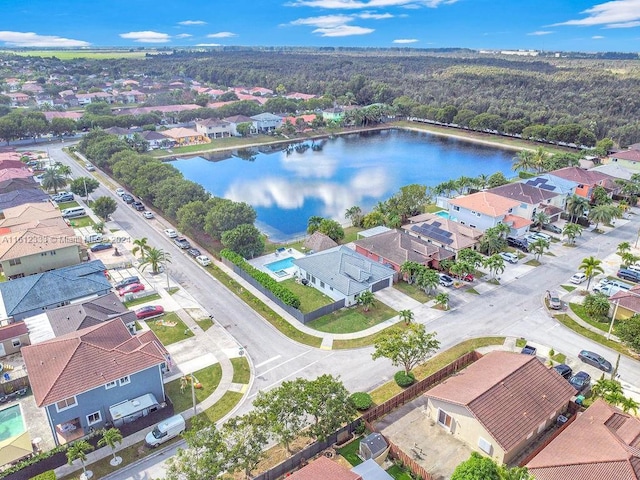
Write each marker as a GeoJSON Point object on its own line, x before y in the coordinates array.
{"type": "Point", "coordinates": [514, 309]}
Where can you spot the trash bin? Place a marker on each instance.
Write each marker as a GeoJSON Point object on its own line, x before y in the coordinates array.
{"type": "Point", "coordinates": [561, 420]}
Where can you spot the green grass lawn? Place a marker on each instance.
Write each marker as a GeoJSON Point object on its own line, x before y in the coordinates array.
{"type": "Point", "coordinates": [72, 203]}
{"type": "Point", "coordinates": [310, 298]}
{"type": "Point", "coordinates": [220, 143]}
{"type": "Point", "coordinates": [138, 301]}
{"type": "Point", "coordinates": [568, 288]}
{"type": "Point", "coordinates": [167, 334]}
{"type": "Point", "coordinates": [432, 208]}
{"type": "Point", "coordinates": [533, 263]}
{"type": "Point", "coordinates": [399, 473]}
{"type": "Point", "coordinates": [353, 319]}
{"type": "Point", "coordinates": [579, 310]}
{"type": "Point", "coordinates": [568, 322]}
{"type": "Point", "coordinates": [205, 323]}
{"type": "Point", "coordinates": [209, 378]}
{"type": "Point", "coordinates": [351, 234]}
{"type": "Point", "coordinates": [350, 452]}
{"type": "Point", "coordinates": [241, 371]}
{"type": "Point", "coordinates": [412, 291]}
{"type": "Point", "coordinates": [223, 406]}
{"type": "Point", "coordinates": [82, 222]}
{"type": "Point", "coordinates": [521, 342]}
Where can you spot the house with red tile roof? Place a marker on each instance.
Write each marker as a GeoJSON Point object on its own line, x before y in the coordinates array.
{"type": "Point", "coordinates": [395, 247]}
{"type": "Point", "coordinates": [10, 163]}
{"type": "Point", "coordinates": [79, 378]}
{"type": "Point", "coordinates": [443, 232]}
{"type": "Point", "coordinates": [13, 337]}
{"type": "Point", "coordinates": [627, 158]}
{"type": "Point", "coordinates": [185, 136]}
{"type": "Point", "coordinates": [603, 443]}
{"type": "Point", "coordinates": [587, 180]}
{"type": "Point", "coordinates": [499, 404]}
{"type": "Point", "coordinates": [9, 173]}
{"type": "Point", "coordinates": [483, 210]}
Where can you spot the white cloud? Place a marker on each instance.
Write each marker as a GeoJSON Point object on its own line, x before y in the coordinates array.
{"type": "Point", "coordinates": [343, 31]}
{"type": "Point", "coordinates": [146, 36]}
{"type": "Point", "coordinates": [222, 35]}
{"type": "Point", "coordinates": [31, 39]}
{"type": "Point", "coordinates": [333, 25]}
{"type": "Point", "coordinates": [614, 14]}
{"type": "Point", "coordinates": [193, 22]}
{"type": "Point", "coordinates": [405, 40]}
{"type": "Point", "coordinates": [324, 21]}
{"type": "Point", "coordinates": [540, 32]}
{"type": "Point", "coordinates": [183, 35]}
{"type": "Point", "coordinates": [374, 16]}
{"type": "Point", "coordinates": [360, 4]}
{"type": "Point", "coordinates": [208, 45]}
{"type": "Point", "coordinates": [597, 37]}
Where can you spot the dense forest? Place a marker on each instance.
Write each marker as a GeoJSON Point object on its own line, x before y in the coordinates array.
{"type": "Point", "coordinates": [598, 94]}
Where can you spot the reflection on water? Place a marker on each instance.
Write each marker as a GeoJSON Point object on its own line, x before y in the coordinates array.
{"type": "Point", "coordinates": [288, 184]}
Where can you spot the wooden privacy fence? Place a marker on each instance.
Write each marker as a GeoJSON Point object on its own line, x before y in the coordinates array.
{"type": "Point", "coordinates": [300, 459]}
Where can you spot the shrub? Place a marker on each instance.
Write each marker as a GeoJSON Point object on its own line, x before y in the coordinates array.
{"type": "Point", "coordinates": [48, 475]}
{"type": "Point", "coordinates": [359, 430]}
{"type": "Point", "coordinates": [361, 400]}
{"type": "Point", "coordinates": [404, 379]}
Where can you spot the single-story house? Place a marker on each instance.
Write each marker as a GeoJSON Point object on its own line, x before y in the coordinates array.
{"type": "Point", "coordinates": [334, 114]}
{"type": "Point", "coordinates": [318, 242]}
{"type": "Point", "coordinates": [87, 98]}
{"type": "Point", "coordinates": [396, 247]}
{"type": "Point", "coordinates": [185, 136]}
{"type": "Point", "coordinates": [16, 198]}
{"type": "Point", "coordinates": [74, 317]}
{"type": "Point", "coordinates": [18, 98]}
{"type": "Point", "coordinates": [78, 377]}
{"type": "Point", "coordinates": [483, 210]}
{"type": "Point", "coordinates": [28, 296]}
{"type": "Point", "coordinates": [72, 115]}
{"type": "Point", "coordinates": [236, 120]}
{"type": "Point", "coordinates": [602, 443]}
{"type": "Point", "coordinates": [614, 170]}
{"type": "Point", "coordinates": [587, 180]}
{"type": "Point", "coordinates": [532, 199]}
{"type": "Point", "coordinates": [123, 133]}
{"type": "Point", "coordinates": [443, 232]}
{"type": "Point", "coordinates": [9, 173]}
{"type": "Point", "coordinates": [214, 128]}
{"type": "Point", "coordinates": [625, 303]}
{"type": "Point", "coordinates": [12, 184]}
{"type": "Point", "coordinates": [11, 163]}
{"type": "Point", "coordinates": [499, 404]}
{"type": "Point", "coordinates": [156, 140]}
{"type": "Point", "coordinates": [323, 469]}
{"type": "Point", "coordinates": [13, 337]}
{"type": "Point", "coordinates": [342, 273]}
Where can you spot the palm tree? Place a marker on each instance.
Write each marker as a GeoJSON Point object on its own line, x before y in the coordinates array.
{"type": "Point", "coordinates": [576, 206]}
{"type": "Point", "coordinates": [406, 316]}
{"type": "Point", "coordinates": [355, 215]}
{"type": "Point", "coordinates": [591, 266]}
{"type": "Point", "coordinates": [111, 438]}
{"type": "Point", "coordinates": [571, 231]}
{"type": "Point", "coordinates": [623, 248]}
{"type": "Point", "coordinates": [629, 404]}
{"type": "Point", "coordinates": [523, 161]}
{"type": "Point", "coordinates": [427, 279]}
{"type": "Point", "coordinates": [629, 258]}
{"type": "Point", "coordinates": [78, 451]}
{"type": "Point", "coordinates": [53, 180]}
{"type": "Point", "coordinates": [442, 299]}
{"type": "Point", "coordinates": [366, 299]}
{"type": "Point", "coordinates": [495, 264]}
{"type": "Point", "coordinates": [603, 214]}
{"type": "Point", "coordinates": [141, 246]}
{"type": "Point", "coordinates": [540, 219]}
{"type": "Point", "coordinates": [538, 159]}
{"type": "Point", "coordinates": [502, 229]}
{"type": "Point", "coordinates": [155, 257]}
{"type": "Point", "coordinates": [604, 387]}
{"type": "Point", "coordinates": [539, 246]}
{"type": "Point", "coordinates": [410, 270]}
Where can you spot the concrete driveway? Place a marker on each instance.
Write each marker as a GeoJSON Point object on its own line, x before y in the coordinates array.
{"type": "Point", "coordinates": [394, 298]}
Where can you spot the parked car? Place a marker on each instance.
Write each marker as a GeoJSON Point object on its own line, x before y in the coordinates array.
{"type": "Point", "coordinates": [63, 197]}
{"type": "Point", "coordinates": [182, 243]}
{"type": "Point", "coordinates": [564, 371]}
{"type": "Point", "coordinates": [149, 311]}
{"type": "Point", "coordinates": [581, 381]}
{"type": "Point", "coordinates": [595, 360]}
{"type": "Point", "coordinates": [554, 299]}
{"type": "Point", "coordinates": [578, 278]}
{"type": "Point", "coordinates": [203, 260]}
{"type": "Point", "coordinates": [509, 257]}
{"type": "Point", "coordinates": [170, 232]}
{"type": "Point", "coordinates": [541, 235]}
{"type": "Point", "coordinates": [133, 288]}
{"type": "Point", "coordinates": [128, 198]}
{"type": "Point", "coordinates": [101, 246]}
{"type": "Point", "coordinates": [89, 167]}
{"type": "Point", "coordinates": [120, 192]}
{"type": "Point", "coordinates": [627, 274]}
{"type": "Point", "coordinates": [148, 215]}
{"type": "Point", "coordinates": [445, 280]}
{"type": "Point", "coordinates": [528, 350]}
{"type": "Point", "coordinates": [126, 281]}
{"type": "Point", "coordinates": [194, 252]}
{"type": "Point", "coordinates": [519, 243]}
{"type": "Point", "coordinates": [551, 228]}
{"type": "Point", "coordinates": [138, 206]}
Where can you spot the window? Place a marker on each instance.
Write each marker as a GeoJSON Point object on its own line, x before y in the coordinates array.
{"type": "Point", "coordinates": [473, 212]}
{"type": "Point", "coordinates": [478, 214]}
{"type": "Point", "coordinates": [94, 417]}
{"type": "Point", "coordinates": [472, 226]}
{"type": "Point", "coordinates": [66, 404]}
{"type": "Point", "coordinates": [16, 342]}
{"type": "Point", "coordinates": [110, 385]}
{"type": "Point", "coordinates": [53, 252]}
{"type": "Point", "coordinates": [124, 380]}
{"type": "Point", "coordinates": [43, 254]}
{"type": "Point", "coordinates": [14, 261]}
{"type": "Point", "coordinates": [485, 446]}
{"type": "Point", "coordinates": [321, 284]}
{"type": "Point", "coordinates": [456, 209]}
{"type": "Point", "coordinates": [444, 419]}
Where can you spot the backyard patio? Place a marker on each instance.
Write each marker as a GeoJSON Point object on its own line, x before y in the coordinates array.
{"type": "Point", "coordinates": [279, 264]}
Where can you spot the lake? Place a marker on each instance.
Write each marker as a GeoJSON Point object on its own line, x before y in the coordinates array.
{"type": "Point", "coordinates": [288, 185]}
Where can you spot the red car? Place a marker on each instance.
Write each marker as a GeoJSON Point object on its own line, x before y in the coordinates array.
{"type": "Point", "coordinates": [134, 287]}
{"type": "Point", "coordinates": [149, 311]}
{"type": "Point", "coordinates": [467, 278]}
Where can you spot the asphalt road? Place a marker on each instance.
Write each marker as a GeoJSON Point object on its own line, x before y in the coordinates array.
{"type": "Point", "coordinates": [514, 309]}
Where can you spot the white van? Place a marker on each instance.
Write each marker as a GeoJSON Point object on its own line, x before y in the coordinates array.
{"type": "Point", "coordinates": [73, 212]}
{"type": "Point", "coordinates": [166, 430]}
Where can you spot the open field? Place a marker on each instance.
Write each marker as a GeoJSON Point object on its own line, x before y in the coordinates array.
{"type": "Point", "coordinates": [98, 54]}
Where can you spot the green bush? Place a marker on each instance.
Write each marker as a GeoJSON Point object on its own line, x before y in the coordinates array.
{"type": "Point", "coordinates": [403, 379]}
{"type": "Point", "coordinates": [361, 400]}
{"type": "Point", "coordinates": [359, 430]}
{"type": "Point", "coordinates": [49, 475]}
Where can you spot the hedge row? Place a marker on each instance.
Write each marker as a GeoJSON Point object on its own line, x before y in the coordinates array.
{"type": "Point", "coordinates": [283, 293]}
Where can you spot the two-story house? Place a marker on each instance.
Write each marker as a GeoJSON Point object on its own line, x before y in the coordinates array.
{"type": "Point", "coordinates": [81, 378]}
{"type": "Point", "coordinates": [532, 200]}
{"type": "Point", "coordinates": [564, 188]}
{"type": "Point", "coordinates": [443, 232]}
{"type": "Point", "coordinates": [627, 158]}
{"type": "Point", "coordinates": [214, 128]}
{"type": "Point", "coordinates": [267, 122]}
{"type": "Point", "coordinates": [483, 210]}
{"type": "Point", "coordinates": [587, 180]}
{"type": "Point", "coordinates": [236, 120]}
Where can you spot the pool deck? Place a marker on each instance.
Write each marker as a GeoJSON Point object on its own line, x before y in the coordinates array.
{"type": "Point", "coordinates": [261, 262]}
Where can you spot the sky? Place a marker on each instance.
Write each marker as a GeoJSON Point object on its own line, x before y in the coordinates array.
{"type": "Point", "coordinates": [566, 25]}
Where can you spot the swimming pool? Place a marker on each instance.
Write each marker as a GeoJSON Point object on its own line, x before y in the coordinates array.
{"type": "Point", "coordinates": [11, 422]}
{"type": "Point", "coordinates": [280, 264]}
{"type": "Point", "coordinates": [443, 214]}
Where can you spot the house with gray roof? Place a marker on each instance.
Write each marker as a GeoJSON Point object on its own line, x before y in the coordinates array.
{"type": "Point", "coordinates": [532, 200]}
{"type": "Point", "coordinates": [615, 170]}
{"type": "Point", "coordinates": [28, 296]}
{"type": "Point", "coordinates": [342, 273]}
{"type": "Point", "coordinates": [267, 122]}
{"type": "Point", "coordinates": [236, 120]}
{"type": "Point", "coordinates": [15, 198]}
{"type": "Point", "coordinates": [18, 184]}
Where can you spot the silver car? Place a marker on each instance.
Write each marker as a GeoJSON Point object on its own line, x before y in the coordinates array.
{"type": "Point", "coordinates": [509, 257]}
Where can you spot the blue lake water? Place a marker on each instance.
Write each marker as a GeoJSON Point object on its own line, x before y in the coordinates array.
{"type": "Point", "coordinates": [286, 187]}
